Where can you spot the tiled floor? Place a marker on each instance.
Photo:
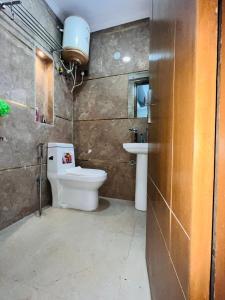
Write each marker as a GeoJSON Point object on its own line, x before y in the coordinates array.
{"type": "Point", "coordinates": [74, 255]}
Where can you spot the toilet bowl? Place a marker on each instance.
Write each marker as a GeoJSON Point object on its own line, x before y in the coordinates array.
{"type": "Point", "coordinates": [72, 187]}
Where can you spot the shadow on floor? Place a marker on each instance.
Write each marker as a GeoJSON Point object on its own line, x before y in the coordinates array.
{"type": "Point", "coordinates": [103, 205]}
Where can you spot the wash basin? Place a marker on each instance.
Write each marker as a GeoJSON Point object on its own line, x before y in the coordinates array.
{"type": "Point", "coordinates": [136, 148]}
{"type": "Point", "coordinates": [141, 149]}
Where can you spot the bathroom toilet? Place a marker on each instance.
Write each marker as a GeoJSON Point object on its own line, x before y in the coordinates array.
{"type": "Point", "coordinates": [72, 187]}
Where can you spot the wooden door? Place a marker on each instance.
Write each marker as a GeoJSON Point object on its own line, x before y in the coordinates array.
{"type": "Point", "coordinates": [183, 76]}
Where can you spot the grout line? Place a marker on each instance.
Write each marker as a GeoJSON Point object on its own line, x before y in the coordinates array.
{"type": "Point", "coordinates": [113, 119]}
{"type": "Point", "coordinates": [60, 117]}
{"type": "Point", "coordinates": [168, 252]}
{"type": "Point", "coordinates": [22, 167]}
{"type": "Point", "coordinates": [115, 75]}
{"type": "Point", "coordinates": [171, 210]}
{"type": "Point", "coordinates": [22, 105]}
{"type": "Point", "coordinates": [92, 120]}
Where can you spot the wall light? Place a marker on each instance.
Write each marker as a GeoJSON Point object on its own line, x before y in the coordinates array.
{"type": "Point", "coordinates": [126, 59]}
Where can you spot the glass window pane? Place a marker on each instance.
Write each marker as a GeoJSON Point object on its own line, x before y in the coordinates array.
{"type": "Point", "coordinates": [142, 98]}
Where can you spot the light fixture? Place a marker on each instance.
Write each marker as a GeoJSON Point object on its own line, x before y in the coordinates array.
{"type": "Point", "coordinates": [126, 59]}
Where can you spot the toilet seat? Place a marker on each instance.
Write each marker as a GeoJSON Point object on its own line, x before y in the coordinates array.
{"type": "Point", "coordinates": [82, 174]}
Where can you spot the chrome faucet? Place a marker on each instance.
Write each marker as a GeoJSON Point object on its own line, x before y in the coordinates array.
{"type": "Point", "coordinates": [135, 134]}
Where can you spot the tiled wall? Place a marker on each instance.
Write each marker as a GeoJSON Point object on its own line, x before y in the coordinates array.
{"type": "Point", "coordinates": [180, 182]}
{"type": "Point", "coordinates": [19, 166]}
{"type": "Point", "coordinates": [101, 110]}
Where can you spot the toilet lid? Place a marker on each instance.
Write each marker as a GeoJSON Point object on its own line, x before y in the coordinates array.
{"type": "Point", "coordinates": [85, 172]}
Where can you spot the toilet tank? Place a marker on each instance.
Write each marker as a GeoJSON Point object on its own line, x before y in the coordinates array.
{"type": "Point", "coordinates": [76, 40]}
{"type": "Point", "coordinates": [60, 157]}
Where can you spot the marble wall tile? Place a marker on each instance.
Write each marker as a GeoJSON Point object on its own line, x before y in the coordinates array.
{"type": "Point", "coordinates": [103, 98]}
{"type": "Point", "coordinates": [103, 139]}
{"type": "Point", "coordinates": [19, 194]}
{"type": "Point", "coordinates": [18, 153]}
{"type": "Point", "coordinates": [23, 135]}
{"type": "Point", "coordinates": [101, 110]}
{"type": "Point", "coordinates": [61, 132]}
{"type": "Point", "coordinates": [41, 11]}
{"type": "Point", "coordinates": [17, 74]}
{"type": "Point", "coordinates": [120, 182]}
{"type": "Point", "coordinates": [45, 16]}
{"type": "Point", "coordinates": [17, 70]}
{"type": "Point", "coordinates": [130, 40]}
{"type": "Point", "coordinates": [63, 99]}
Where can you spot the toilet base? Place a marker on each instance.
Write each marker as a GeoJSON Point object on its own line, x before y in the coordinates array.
{"type": "Point", "coordinates": [86, 200]}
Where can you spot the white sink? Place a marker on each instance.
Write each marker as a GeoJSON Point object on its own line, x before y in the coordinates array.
{"type": "Point", "coordinates": [136, 148]}
{"type": "Point", "coordinates": [141, 149]}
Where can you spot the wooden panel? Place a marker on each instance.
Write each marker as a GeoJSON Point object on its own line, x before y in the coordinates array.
{"type": "Point", "coordinates": [184, 110]}
{"type": "Point", "coordinates": [162, 212]}
{"type": "Point", "coordinates": [204, 146]}
{"type": "Point", "coordinates": [180, 246]}
{"type": "Point", "coordinates": [183, 37]}
{"type": "Point", "coordinates": [166, 287]}
{"type": "Point", "coordinates": [219, 290]}
{"type": "Point", "coordinates": [162, 70]}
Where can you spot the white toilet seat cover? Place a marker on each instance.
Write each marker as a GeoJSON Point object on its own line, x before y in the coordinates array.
{"type": "Point", "coordinates": [85, 172]}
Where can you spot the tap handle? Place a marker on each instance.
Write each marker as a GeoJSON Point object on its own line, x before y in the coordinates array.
{"type": "Point", "coordinates": [133, 130]}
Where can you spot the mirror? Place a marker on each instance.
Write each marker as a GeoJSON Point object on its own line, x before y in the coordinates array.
{"type": "Point", "coordinates": [141, 92]}
{"type": "Point", "coordinates": [138, 94]}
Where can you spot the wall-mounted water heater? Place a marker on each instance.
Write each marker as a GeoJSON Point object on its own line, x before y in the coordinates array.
{"type": "Point", "coordinates": [76, 40]}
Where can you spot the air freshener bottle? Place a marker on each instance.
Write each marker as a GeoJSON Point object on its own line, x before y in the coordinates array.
{"type": "Point", "coordinates": [37, 115]}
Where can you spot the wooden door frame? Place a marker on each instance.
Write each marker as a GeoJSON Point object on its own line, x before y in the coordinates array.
{"type": "Point", "coordinates": [217, 290]}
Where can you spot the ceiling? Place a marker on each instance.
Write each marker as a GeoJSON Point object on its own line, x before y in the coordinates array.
{"type": "Point", "coordinates": [101, 14]}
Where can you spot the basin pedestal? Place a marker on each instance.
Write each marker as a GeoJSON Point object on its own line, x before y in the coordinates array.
{"type": "Point", "coordinates": [141, 182]}
{"type": "Point", "coordinates": [141, 149]}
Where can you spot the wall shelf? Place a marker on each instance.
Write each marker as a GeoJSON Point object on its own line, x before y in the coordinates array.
{"type": "Point", "coordinates": [44, 87]}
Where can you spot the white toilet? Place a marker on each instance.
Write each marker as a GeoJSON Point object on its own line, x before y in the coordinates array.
{"type": "Point", "coordinates": [72, 187]}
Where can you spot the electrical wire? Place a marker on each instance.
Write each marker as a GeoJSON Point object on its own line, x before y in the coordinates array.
{"type": "Point", "coordinates": [74, 79]}
{"type": "Point", "coordinates": [72, 70]}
